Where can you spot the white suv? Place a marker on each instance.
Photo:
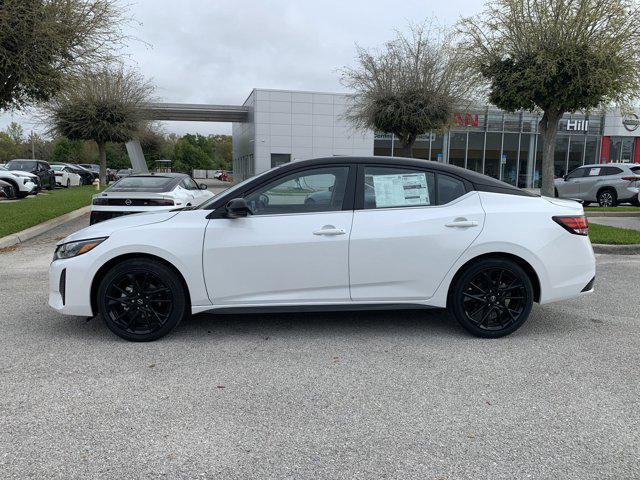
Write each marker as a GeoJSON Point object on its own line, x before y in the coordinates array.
{"type": "Point", "coordinates": [608, 185]}
{"type": "Point", "coordinates": [23, 183]}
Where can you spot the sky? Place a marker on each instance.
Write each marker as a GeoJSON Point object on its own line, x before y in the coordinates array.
{"type": "Point", "coordinates": [217, 51]}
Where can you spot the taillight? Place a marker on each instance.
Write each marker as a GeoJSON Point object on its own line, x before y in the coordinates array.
{"type": "Point", "coordinates": [631, 179]}
{"type": "Point", "coordinates": [58, 174]}
{"type": "Point", "coordinates": [578, 225]}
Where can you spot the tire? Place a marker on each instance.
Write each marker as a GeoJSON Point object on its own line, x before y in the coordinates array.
{"type": "Point", "coordinates": [482, 297]}
{"type": "Point", "coordinates": [68, 182]}
{"type": "Point", "coordinates": [607, 197]}
{"type": "Point", "coordinates": [16, 191]}
{"type": "Point", "coordinates": [586, 204]}
{"type": "Point", "coordinates": [141, 300]}
{"type": "Point", "coordinates": [555, 192]}
{"type": "Point", "coordinates": [635, 202]}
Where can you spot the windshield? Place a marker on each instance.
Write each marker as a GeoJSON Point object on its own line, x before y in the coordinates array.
{"type": "Point", "coordinates": [144, 184]}
{"type": "Point", "coordinates": [3, 168]}
{"type": "Point", "coordinates": [26, 165]}
{"type": "Point", "coordinates": [123, 171]}
{"type": "Point", "coordinates": [57, 168]}
{"type": "Point", "coordinates": [205, 205]}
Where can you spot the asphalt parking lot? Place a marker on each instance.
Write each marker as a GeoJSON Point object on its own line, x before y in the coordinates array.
{"type": "Point", "coordinates": [350, 395]}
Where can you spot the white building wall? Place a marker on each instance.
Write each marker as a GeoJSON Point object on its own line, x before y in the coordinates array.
{"type": "Point", "coordinates": [304, 125]}
{"type": "Point", "coordinates": [243, 143]}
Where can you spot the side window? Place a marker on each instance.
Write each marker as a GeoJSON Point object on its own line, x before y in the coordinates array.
{"type": "Point", "coordinates": [189, 184]}
{"type": "Point", "coordinates": [610, 171]}
{"type": "Point", "coordinates": [449, 188]}
{"type": "Point", "coordinates": [577, 173]}
{"type": "Point", "coordinates": [387, 187]}
{"type": "Point", "coordinates": [315, 190]}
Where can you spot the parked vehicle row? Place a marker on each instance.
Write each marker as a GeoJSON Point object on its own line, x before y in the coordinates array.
{"type": "Point", "coordinates": [22, 183]}
{"type": "Point", "coordinates": [608, 185]}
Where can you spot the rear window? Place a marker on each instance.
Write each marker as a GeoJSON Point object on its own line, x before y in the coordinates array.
{"type": "Point", "coordinates": [57, 168]}
{"type": "Point", "coordinates": [610, 171]}
{"type": "Point", "coordinates": [144, 184]}
{"type": "Point", "coordinates": [635, 169]}
{"type": "Point", "coordinates": [21, 165]}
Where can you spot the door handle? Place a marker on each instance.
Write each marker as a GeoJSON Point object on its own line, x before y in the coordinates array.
{"type": "Point", "coordinates": [329, 230]}
{"type": "Point", "coordinates": [462, 224]}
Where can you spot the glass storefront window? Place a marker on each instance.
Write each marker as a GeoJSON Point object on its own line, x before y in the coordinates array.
{"type": "Point", "coordinates": [492, 154]}
{"type": "Point", "coordinates": [560, 156]}
{"type": "Point", "coordinates": [576, 152]}
{"type": "Point", "coordinates": [526, 162]}
{"type": "Point", "coordinates": [457, 148]}
{"type": "Point", "coordinates": [495, 121]}
{"type": "Point", "coordinates": [475, 151]}
{"type": "Point", "coordinates": [436, 148]}
{"type": "Point", "coordinates": [591, 150]}
{"type": "Point", "coordinates": [621, 149]}
{"type": "Point", "coordinates": [509, 159]}
{"type": "Point", "coordinates": [512, 122]}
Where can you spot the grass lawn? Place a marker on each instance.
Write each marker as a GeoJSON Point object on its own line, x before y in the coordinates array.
{"type": "Point", "coordinates": [30, 211]}
{"type": "Point", "coordinates": [613, 236]}
{"type": "Point", "coordinates": [626, 208]}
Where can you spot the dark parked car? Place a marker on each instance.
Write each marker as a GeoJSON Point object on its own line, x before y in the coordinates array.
{"type": "Point", "coordinates": [7, 190]}
{"type": "Point", "coordinates": [95, 168]}
{"type": "Point", "coordinates": [40, 168]}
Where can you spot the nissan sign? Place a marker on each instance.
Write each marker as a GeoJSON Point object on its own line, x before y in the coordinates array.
{"type": "Point", "coordinates": [631, 122]}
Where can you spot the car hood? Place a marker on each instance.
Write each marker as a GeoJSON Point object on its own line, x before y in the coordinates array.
{"type": "Point", "coordinates": [20, 173]}
{"type": "Point", "coordinates": [106, 228]}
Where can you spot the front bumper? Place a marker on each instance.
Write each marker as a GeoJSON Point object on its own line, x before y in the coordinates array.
{"type": "Point", "coordinates": [70, 287]}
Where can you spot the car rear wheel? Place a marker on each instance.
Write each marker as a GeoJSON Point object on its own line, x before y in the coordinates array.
{"type": "Point", "coordinates": [492, 298]}
{"type": "Point", "coordinates": [141, 300]}
{"type": "Point", "coordinates": [607, 198]}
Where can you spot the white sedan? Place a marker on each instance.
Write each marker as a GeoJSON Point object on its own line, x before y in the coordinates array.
{"type": "Point", "coordinates": [23, 183]}
{"type": "Point", "coordinates": [424, 235]}
{"type": "Point", "coordinates": [147, 192]}
{"type": "Point", "coordinates": [65, 177]}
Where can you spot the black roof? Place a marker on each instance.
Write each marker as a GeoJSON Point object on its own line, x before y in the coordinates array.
{"type": "Point", "coordinates": [479, 181]}
{"type": "Point", "coordinates": [151, 174]}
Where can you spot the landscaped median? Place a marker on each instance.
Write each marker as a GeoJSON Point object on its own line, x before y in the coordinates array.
{"type": "Point", "coordinates": [19, 215]}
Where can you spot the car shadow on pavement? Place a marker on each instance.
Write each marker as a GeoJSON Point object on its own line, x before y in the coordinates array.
{"type": "Point", "coordinates": [434, 323]}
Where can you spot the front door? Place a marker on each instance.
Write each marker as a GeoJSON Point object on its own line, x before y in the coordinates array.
{"type": "Point", "coordinates": [293, 249]}
{"type": "Point", "coordinates": [412, 227]}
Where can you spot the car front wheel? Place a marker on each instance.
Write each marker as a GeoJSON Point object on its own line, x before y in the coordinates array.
{"type": "Point", "coordinates": [141, 300]}
{"type": "Point", "coordinates": [492, 298]}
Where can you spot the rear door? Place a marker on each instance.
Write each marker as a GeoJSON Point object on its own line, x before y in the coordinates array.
{"type": "Point", "coordinates": [410, 227]}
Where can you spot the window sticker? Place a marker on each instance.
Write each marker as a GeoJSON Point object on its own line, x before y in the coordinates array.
{"type": "Point", "coordinates": [399, 190]}
{"type": "Point", "coordinates": [594, 172]}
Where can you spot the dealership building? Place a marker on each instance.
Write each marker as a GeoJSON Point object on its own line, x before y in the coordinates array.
{"type": "Point", "coordinates": [283, 126]}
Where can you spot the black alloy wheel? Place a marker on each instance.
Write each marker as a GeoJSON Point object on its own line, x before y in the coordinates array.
{"type": "Point", "coordinates": [607, 198]}
{"type": "Point", "coordinates": [492, 298]}
{"type": "Point", "coordinates": [141, 300]}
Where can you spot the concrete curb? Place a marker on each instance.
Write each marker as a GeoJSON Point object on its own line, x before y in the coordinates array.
{"type": "Point", "coordinates": [29, 233]}
{"type": "Point", "coordinates": [612, 214]}
{"type": "Point", "coordinates": [617, 249]}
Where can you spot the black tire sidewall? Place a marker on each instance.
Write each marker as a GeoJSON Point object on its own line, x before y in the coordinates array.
{"type": "Point", "coordinates": [455, 298]}
{"type": "Point", "coordinates": [170, 278]}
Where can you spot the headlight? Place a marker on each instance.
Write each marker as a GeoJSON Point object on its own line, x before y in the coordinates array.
{"type": "Point", "coordinates": [73, 249]}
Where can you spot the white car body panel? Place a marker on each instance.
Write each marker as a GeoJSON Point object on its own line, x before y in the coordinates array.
{"type": "Point", "coordinates": [412, 247]}
{"type": "Point", "coordinates": [73, 178]}
{"type": "Point", "coordinates": [278, 258]}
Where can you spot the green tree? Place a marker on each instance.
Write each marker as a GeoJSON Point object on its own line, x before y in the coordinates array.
{"type": "Point", "coordinates": [192, 152]}
{"type": "Point", "coordinates": [409, 88]}
{"type": "Point", "coordinates": [8, 148]}
{"type": "Point", "coordinates": [70, 151]}
{"type": "Point", "coordinates": [43, 41]}
{"type": "Point", "coordinates": [16, 132]}
{"type": "Point", "coordinates": [223, 149]}
{"type": "Point", "coordinates": [103, 106]}
{"type": "Point", "coordinates": [557, 56]}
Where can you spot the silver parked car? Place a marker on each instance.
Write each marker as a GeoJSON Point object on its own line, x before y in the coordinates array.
{"type": "Point", "coordinates": [608, 185]}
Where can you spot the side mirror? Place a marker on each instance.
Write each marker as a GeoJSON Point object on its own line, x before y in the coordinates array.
{"type": "Point", "coordinates": [237, 208]}
{"type": "Point", "coordinates": [203, 186]}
